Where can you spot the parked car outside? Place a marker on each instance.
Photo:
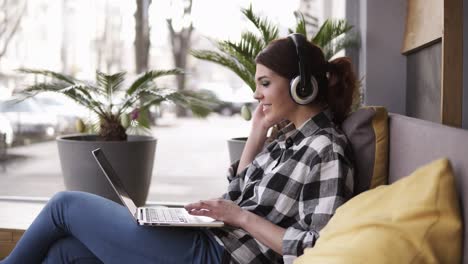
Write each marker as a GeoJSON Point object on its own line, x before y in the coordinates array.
{"type": "Point", "coordinates": [27, 117]}
{"type": "Point", "coordinates": [232, 99]}
{"type": "Point", "coordinates": [65, 109]}
{"type": "Point", "coordinates": [6, 129]}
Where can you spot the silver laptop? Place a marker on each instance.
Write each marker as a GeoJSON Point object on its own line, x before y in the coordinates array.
{"type": "Point", "coordinates": [152, 216]}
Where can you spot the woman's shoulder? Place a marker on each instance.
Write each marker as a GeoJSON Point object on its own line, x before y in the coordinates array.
{"type": "Point", "coordinates": [329, 139]}
{"type": "Point", "coordinates": [331, 133]}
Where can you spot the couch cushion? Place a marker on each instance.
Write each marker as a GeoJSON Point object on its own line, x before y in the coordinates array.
{"type": "Point", "coordinates": [415, 220]}
{"type": "Point", "coordinates": [414, 142]}
{"type": "Point", "coordinates": [367, 131]}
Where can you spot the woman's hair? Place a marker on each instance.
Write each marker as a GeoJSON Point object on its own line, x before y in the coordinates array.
{"type": "Point", "coordinates": [336, 91]}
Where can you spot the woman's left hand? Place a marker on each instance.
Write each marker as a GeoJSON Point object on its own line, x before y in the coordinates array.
{"type": "Point", "coordinates": [219, 209]}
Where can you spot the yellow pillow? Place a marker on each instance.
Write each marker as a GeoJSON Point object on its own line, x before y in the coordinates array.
{"type": "Point", "coordinates": [414, 220]}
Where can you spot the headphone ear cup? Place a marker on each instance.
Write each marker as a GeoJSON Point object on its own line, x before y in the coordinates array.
{"type": "Point", "coordinates": [303, 100]}
{"type": "Point", "coordinates": [314, 87]}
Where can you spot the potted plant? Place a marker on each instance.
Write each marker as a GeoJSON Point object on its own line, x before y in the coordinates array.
{"type": "Point", "coordinates": [118, 111]}
{"type": "Point", "coordinates": [240, 56]}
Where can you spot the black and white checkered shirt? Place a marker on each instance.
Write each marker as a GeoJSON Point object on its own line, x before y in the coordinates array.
{"type": "Point", "coordinates": [297, 182]}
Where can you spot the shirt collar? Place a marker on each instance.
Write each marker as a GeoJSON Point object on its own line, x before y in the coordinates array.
{"type": "Point", "coordinates": [290, 135]}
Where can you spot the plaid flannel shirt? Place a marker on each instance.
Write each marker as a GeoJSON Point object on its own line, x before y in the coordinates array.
{"type": "Point", "coordinates": [297, 182]}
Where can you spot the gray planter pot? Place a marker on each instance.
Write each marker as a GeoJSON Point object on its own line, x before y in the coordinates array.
{"type": "Point", "coordinates": [236, 146]}
{"type": "Point", "coordinates": [132, 160]}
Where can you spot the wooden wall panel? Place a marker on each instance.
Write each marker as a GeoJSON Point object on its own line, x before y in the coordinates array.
{"type": "Point", "coordinates": [423, 98]}
{"type": "Point", "coordinates": [429, 22]}
{"type": "Point", "coordinates": [452, 64]}
{"type": "Point", "coordinates": [424, 23]}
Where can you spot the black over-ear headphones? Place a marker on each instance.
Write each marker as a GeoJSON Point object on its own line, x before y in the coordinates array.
{"type": "Point", "coordinates": [303, 89]}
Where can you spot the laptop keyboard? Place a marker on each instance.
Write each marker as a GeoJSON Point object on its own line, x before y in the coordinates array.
{"type": "Point", "coordinates": [165, 215]}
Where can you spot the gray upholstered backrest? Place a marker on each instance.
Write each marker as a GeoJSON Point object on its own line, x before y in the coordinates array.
{"type": "Point", "coordinates": [414, 142]}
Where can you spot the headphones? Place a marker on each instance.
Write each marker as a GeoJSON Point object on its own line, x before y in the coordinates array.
{"type": "Point", "coordinates": [303, 89]}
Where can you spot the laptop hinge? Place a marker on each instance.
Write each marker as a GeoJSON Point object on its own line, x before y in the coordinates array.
{"type": "Point", "coordinates": [141, 215]}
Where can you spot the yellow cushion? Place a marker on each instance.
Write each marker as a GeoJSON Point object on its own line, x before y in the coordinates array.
{"type": "Point", "coordinates": [414, 220]}
{"type": "Point", "coordinates": [367, 132]}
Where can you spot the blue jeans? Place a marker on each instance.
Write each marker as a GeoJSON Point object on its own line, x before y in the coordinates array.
{"type": "Point", "coordinates": [77, 227]}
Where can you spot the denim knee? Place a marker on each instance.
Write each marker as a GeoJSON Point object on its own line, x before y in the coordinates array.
{"type": "Point", "coordinates": [66, 197]}
{"type": "Point", "coordinates": [70, 250]}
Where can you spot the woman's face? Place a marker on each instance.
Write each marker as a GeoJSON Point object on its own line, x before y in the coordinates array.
{"type": "Point", "coordinates": [272, 91]}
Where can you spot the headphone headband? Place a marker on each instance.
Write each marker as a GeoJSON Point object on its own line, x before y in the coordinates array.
{"type": "Point", "coordinates": [304, 88]}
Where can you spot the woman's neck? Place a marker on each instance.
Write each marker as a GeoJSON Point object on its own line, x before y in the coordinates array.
{"type": "Point", "coordinates": [304, 113]}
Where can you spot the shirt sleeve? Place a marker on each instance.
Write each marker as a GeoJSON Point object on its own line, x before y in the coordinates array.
{"type": "Point", "coordinates": [236, 182]}
{"type": "Point", "coordinates": [325, 189]}
{"type": "Point", "coordinates": [237, 178]}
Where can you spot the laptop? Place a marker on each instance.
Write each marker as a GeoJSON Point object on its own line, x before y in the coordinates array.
{"type": "Point", "coordinates": [151, 216]}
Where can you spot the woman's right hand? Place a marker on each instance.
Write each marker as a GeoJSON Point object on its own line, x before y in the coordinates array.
{"type": "Point", "coordinates": [259, 120]}
{"type": "Point", "coordinates": [256, 139]}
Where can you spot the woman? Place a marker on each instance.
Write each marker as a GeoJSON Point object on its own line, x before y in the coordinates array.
{"type": "Point", "coordinates": [279, 197]}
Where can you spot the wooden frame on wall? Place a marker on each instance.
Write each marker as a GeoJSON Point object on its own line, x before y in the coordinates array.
{"type": "Point", "coordinates": [427, 22]}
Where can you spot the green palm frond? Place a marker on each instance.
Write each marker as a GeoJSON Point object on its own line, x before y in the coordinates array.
{"type": "Point", "coordinates": [250, 44]}
{"type": "Point", "coordinates": [109, 83]}
{"type": "Point", "coordinates": [227, 61]}
{"type": "Point", "coordinates": [32, 90]}
{"type": "Point", "coordinates": [143, 117]}
{"type": "Point", "coordinates": [45, 87]}
{"type": "Point", "coordinates": [149, 76]}
{"type": "Point", "coordinates": [153, 99]}
{"type": "Point", "coordinates": [268, 31]}
{"type": "Point", "coordinates": [77, 92]}
{"type": "Point", "coordinates": [346, 41]}
{"type": "Point", "coordinates": [330, 30]}
{"type": "Point", "coordinates": [54, 75]}
{"type": "Point", "coordinates": [99, 97]}
{"type": "Point", "coordinates": [148, 92]}
{"type": "Point", "coordinates": [82, 96]}
{"type": "Point", "coordinates": [201, 103]}
{"type": "Point", "coordinates": [300, 25]}
{"type": "Point", "coordinates": [240, 56]}
{"type": "Point", "coordinates": [241, 52]}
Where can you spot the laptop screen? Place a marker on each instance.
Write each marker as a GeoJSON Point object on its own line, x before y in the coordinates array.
{"type": "Point", "coordinates": [114, 180]}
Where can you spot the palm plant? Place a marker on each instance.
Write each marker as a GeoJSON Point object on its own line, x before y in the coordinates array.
{"type": "Point", "coordinates": [333, 36]}
{"type": "Point", "coordinates": [239, 56]}
{"type": "Point", "coordinates": [102, 98]}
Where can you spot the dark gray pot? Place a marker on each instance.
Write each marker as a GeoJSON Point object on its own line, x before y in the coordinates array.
{"type": "Point", "coordinates": [236, 146]}
{"type": "Point", "coordinates": [132, 160]}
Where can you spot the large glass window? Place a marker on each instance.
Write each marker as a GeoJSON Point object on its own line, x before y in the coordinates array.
{"type": "Point", "coordinates": [79, 37]}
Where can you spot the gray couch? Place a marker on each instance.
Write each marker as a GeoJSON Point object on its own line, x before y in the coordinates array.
{"type": "Point", "coordinates": [414, 142]}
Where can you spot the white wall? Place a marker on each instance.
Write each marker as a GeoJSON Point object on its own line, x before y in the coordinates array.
{"type": "Point", "coordinates": [381, 24]}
